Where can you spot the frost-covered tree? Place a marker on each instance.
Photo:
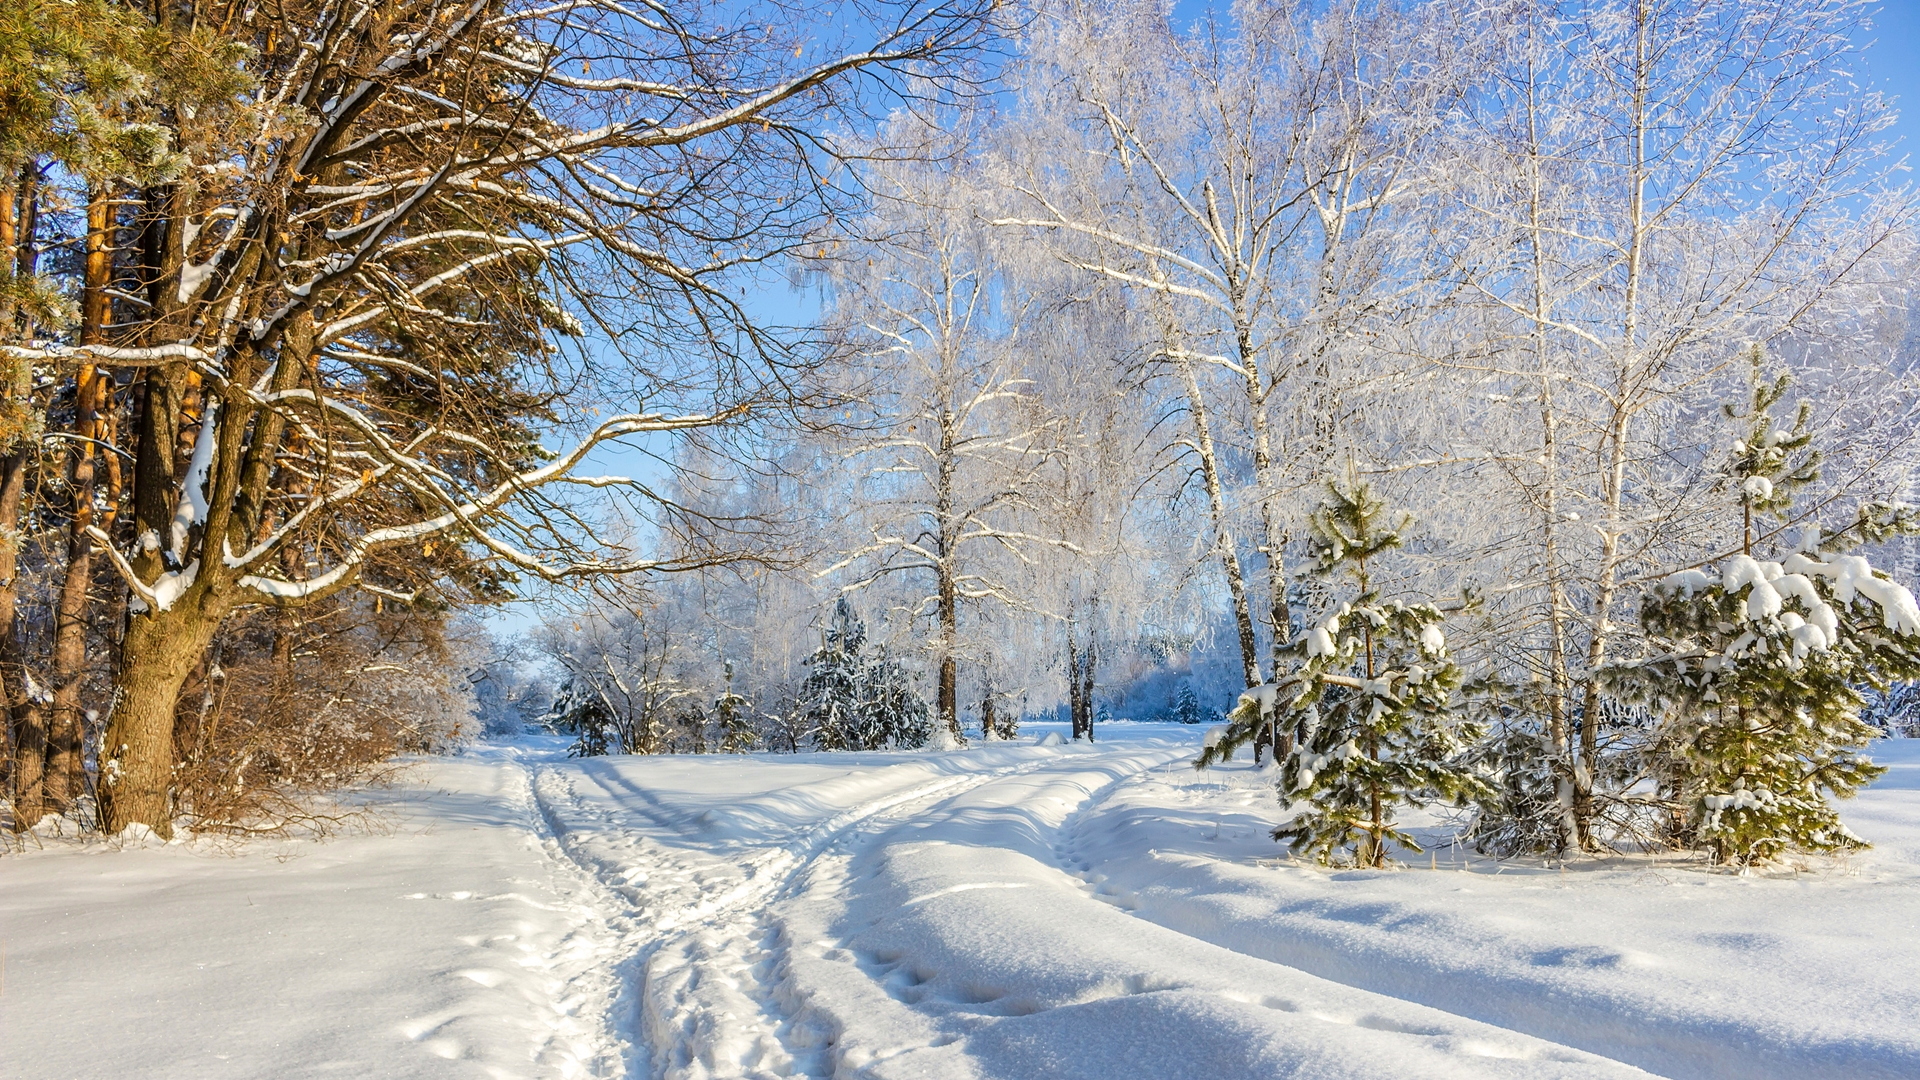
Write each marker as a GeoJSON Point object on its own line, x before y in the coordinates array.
{"type": "Point", "coordinates": [1633, 193]}
{"type": "Point", "coordinates": [623, 672]}
{"type": "Point", "coordinates": [1756, 668]}
{"type": "Point", "coordinates": [946, 476]}
{"type": "Point", "coordinates": [861, 702]}
{"type": "Point", "coordinates": [1369, 703]}
{"type": "Point", "coordinates": [1242, 178]}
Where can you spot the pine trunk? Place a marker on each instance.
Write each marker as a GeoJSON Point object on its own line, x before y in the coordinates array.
{"type": "Point", "coordinates": [26, 717]}
{"type": "Point", "coordinates": [159, 652]}
{"type": "Point", "coordinates": [65, 770]}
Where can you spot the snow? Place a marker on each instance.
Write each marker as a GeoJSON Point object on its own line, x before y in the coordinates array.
{"type": "Point", "coordinates": [192, 507]}
{"type": "Point", "coordinates": [1021, 909]}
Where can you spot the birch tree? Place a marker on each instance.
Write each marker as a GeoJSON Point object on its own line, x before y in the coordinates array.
{"type": "Point", "coordinates": [1242, 177]}
{"type": "Point", "coordinates": [1647, 187]}
{"type": "Point", "coordinates": [948, 473]}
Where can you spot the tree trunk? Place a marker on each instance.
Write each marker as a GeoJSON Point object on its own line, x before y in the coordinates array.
{"type": "Point", "coordinates": [1088, 668]}
{"type": "Point", "coordinates": [947, 541]}
{"type": "Point", "coordinates": [1222, 533]}
{"type": "Point", "coordinates": [136, 754]}
{"type": "Point", "coordinates": [26, 711]}
{"type": "Point", "coordinates": [1614, 479]}
{"type": "Point", "coordinates": [1079, 687]}
{"type": "Point", "coordinates": [949, 663]}
{"type": "Point", "coordinates": [92, 388]}
{"type": "Point", "coordinates": [27, 737]}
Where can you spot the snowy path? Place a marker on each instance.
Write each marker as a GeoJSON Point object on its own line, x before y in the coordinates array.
{"type": "Point", "coordinates": [1011, 911]}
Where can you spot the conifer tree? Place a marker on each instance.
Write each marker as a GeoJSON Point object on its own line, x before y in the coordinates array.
{"type": "Point", "coordinates": [1369, 703]}
{"type": "Point", "coordinates": [730, 712]}
{"type": "Point", "coordinates": [1186, 706]}
{"type": "Point", "coordinates": [580, 709]}
{"type": "Point", "coordinates": [855, 702]}
{"type": "Point", "coordinates": [1757, 668]}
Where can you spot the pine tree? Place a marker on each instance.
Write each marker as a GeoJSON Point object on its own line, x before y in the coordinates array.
{"type": "Point", "coordinates": [1757, 668]}
{"type": "Point", "coordinates": [730, 712]}
{"type": "Point", "coordinates": [1369, 704]}
{"type": "Point", "coordinates": [896, 715]}
{"type": "Point", "coordinates": [860, 703]}
{"type": "Point", "coordinates": [830, 694]}
{"type": "Point", "coordinates": [1186, 706]}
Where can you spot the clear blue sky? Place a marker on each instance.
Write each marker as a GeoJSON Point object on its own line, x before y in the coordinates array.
{"type": "Point", "coordinates": [1893, 65]}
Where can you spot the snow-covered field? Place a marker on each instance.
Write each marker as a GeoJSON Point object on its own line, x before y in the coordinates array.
{"type": "Point", "coordinates": [1009, 911]}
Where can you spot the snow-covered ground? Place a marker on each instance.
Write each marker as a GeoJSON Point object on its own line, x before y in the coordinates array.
{"type": "Point", "coordinates": [1010, 911]}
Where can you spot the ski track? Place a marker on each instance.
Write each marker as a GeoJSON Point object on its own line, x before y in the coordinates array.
{"type": "Point", "coordinates": [699, 992]}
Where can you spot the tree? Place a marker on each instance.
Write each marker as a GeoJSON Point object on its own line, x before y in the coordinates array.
{"type": "Point", "coordinates": [1607, 207]}
{"type": "Point", "coordinates": [580, 708]}
{"type": "Point", "coordinates": [351, 295]}
{"type": "Point", "coordinates": [1756, 670]}
{"type": "Point", "coordinates": [732, 714]}
{"type": "Point", "coordinates": [857, 702]}
{"type": "Point", "coordinates": [71, 76]}
{"type": "Point", "coordinates": [953, 458]}
{"type": "Point", "coordinates": [1370, 701]}
{"type": "Point", "coordinates": [623, 681]}
{"type": "Point", "coordinates": [1243, 179]}
{"type": "Point", "coordinates": [1186, 707]}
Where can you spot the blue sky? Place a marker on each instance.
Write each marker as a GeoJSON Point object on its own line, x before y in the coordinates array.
{"type": "Point", "coordinates": [1893, 63]}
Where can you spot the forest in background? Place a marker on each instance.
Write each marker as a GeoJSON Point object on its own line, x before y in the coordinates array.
{"type": "Point", "coordinates": [313, 332]}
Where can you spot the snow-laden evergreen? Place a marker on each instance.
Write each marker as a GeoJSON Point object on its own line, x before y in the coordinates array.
{"type": "Point", "coordinates": [861, 702]}
{"type": "Point", "coordinates": [732, 714]}
{"type": "Point", "coordinates": [578, 708]}
{"type": "Point", "coordinates": [1756, 667]}
{"type": "Point", "coordinates": [1368, 719]}
{"type": "Point", "coordinates": [1186, 706]}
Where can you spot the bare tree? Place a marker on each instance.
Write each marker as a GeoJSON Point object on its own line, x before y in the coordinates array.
{"type": "Point", "coordinates": [1243, 177]}
{"type": "Point", "coordinates": [950, 468]}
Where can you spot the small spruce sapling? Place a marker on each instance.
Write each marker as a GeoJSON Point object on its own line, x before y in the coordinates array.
{"type": "Point", "coordinates": [1756, 668]}
{"type": "Point", "coordinates": [731, 716]}
{"type": "Point", "coordinates": [1369, 704]}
